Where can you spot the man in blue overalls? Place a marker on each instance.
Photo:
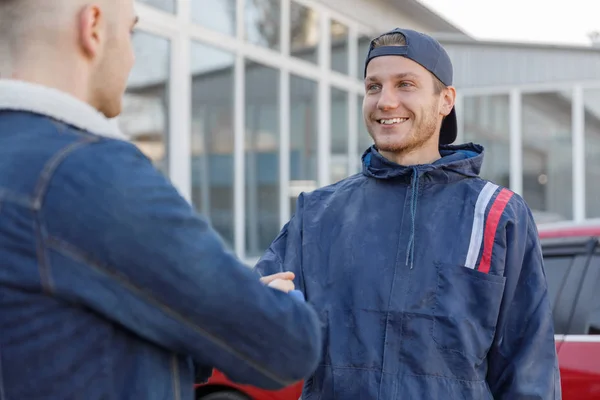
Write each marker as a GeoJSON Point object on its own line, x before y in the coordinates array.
{"type": "Point", "coordinates": [429, 280]}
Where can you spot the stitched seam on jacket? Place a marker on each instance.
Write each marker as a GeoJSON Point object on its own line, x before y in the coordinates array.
{"type": "Point", "coordinates": [447, 378]}
{"type": "Point", "coordinates": [46, 173]}
{"type": "Point", "coordinates": [75, 253]}
{"type": "Point", "coordinates": [43, 263]}
{"type": "Point", "coordinates": [50, 167]}
{"type": "Point", "coordinates": [175, 377]}
{"type": "Point", "coordinates": [2, 394]}
{"type": "Point", "coordinates": [39, 227]}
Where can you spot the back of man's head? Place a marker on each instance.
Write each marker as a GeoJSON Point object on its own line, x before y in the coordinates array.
{"type": "Point", "coordinates": [28, 23]}
{"type": "Point", "coordinates": [76, 46]}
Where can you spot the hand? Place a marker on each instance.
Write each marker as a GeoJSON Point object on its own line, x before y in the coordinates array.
{"type": "Point", "coordinates": [285, 286]}
{"type": "Point", "coordinates": [281, 281]}
{"type": "Point", "coordinates": [286, 276]}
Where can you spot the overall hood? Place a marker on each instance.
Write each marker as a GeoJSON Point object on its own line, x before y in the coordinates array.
{"type": "Point", "coordinates": [457, 162]}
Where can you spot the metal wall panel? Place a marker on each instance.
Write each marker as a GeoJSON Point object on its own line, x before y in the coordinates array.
{"type": "Point", "coordinates": [478, 64]}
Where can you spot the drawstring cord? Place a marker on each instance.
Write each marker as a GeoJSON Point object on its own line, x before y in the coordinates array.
{"type": "Point", "coordinates": [410, 251]}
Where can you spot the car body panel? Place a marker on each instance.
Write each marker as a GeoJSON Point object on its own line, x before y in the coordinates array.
{"type": "Point", "coordinates": [292, 392]}
{"type": "Point", "coordinates": [579, 359]}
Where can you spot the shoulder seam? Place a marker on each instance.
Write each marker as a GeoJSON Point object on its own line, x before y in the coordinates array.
{"type": "Point", "coordinates": [50, 168]}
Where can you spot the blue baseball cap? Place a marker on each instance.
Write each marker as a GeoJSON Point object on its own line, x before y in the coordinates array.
{"type": "Point", "coordinates": [426, 51]}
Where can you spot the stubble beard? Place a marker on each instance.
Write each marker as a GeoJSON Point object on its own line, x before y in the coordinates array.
{"type": "Point", "coordinates": [417, 137]}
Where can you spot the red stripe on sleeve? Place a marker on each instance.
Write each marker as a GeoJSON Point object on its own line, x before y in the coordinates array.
{"type": "Point", "coordinates": [491, 225]}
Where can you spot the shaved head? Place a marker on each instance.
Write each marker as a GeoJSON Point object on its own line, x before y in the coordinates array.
{"type": "Point", "coordinates": [71, 45]}
{"type": "Point", "coordinates": [27, 23]}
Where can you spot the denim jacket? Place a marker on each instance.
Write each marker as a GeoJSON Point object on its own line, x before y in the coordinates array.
{"type": "Point", "coordinates": [111, 286]}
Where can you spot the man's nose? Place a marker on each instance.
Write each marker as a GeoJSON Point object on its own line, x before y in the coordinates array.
{"type": "Point", "coordinates": [388, 100]}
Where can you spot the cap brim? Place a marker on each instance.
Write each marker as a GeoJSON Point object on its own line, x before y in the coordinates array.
{"type": "Point", "coordinates": [449, 128]}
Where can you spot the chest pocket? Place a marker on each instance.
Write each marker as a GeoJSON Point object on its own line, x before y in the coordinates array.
{"type": "Point", "coordinates": [466, 311]}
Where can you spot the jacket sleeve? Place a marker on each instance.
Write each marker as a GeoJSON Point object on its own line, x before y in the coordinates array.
{"type": "Point", "coordinates": [285, 253]}
{"type": "Point", "coordinates": [522, 363]}
{"type": "Point", "coordinates": [122, 242]}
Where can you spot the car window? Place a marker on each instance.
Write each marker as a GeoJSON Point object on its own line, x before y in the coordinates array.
{"type": "Point", "coordinates": [594, 319]}
{"type": "Point", "coordinates": [557, 268]}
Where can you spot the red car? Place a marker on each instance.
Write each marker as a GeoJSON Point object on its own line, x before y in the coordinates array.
{"type": "Point", "coordinates": [221, 388]}
{"type": "Point", "coordinates": [572, 262]}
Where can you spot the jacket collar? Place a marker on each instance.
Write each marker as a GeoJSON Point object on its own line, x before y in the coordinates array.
{"type": "Point", "coordinates": [457, 162]}
{"type": "Point", "coordinates": [29, 97]}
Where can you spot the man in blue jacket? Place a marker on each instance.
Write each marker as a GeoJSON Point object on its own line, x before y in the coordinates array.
{"type": "Point", "coordinates": [111, 287]}
{"type": "Point", "coordinates": [429, 279]}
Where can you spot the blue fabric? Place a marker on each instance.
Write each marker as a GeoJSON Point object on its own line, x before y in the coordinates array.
{"type": "Point", "coordinates": [298, 295]}
{"type": "Point", "coordinates": [112, 287]}
{"type": "Point", "coordinates": [381, 255]}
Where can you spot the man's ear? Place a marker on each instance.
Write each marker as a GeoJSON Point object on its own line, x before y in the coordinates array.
{"type": "Point", "coordinates": [447, 100]}
{"type": "Point", "coordinates": [91, 30]}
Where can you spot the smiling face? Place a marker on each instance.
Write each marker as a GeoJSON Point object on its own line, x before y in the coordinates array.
{"type": "Point", "coordinates": [404, 106]}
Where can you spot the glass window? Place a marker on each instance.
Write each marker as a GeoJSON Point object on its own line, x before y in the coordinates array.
{"type": "Point", "coordinates": [363, 48]}
{"type": "Point", "coordinates": [339, 135]}
{"type": "Point", "coordinates": [364, 139]}
{"type": "Point", "coordinates": [145, 116]}
{"type": "Point", "coordinates": [556, 268]}
{"type": "Point", "coordinates": [165, 5]}
{"type": "Point", "coordinates": [303, 134]}
{"type": "Point", "coordinates": [339, 47]}
{"type": "Point", "coordinates": [547, 156]}
{"type": "Point", "coordinates": [219, 15]}
{"type": "Point", "coordinates": [212, 136]}
{"type": "Point", "coordinates": [263, 22]}
{"type": "Point", "coordinates": [305, 33]}
{"type": "Point", "coordinates": [262, 157]}
{"type": "Point", "coordinates": [594, 317]}
{"type": "Point", "coordinates": [592, 153]}
{"type": "Point", "coordinates": [486, 120]}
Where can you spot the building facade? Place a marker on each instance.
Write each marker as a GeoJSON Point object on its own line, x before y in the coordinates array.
{"type": "Point", "coordinates": [245, 103]}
